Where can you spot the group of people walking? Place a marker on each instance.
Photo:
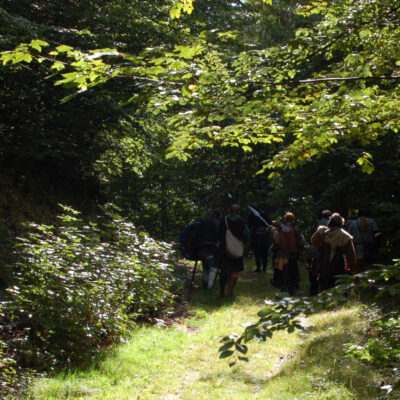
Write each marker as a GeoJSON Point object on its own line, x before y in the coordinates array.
{"type": "Point", "coordinates": [334, 248]}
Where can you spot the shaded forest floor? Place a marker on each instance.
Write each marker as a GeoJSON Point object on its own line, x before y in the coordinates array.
{"type": "Point", "coordinates": [181, 362]}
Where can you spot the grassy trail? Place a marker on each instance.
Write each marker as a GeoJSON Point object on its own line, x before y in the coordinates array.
{"type": "Point", "coordinates": [181, 362]}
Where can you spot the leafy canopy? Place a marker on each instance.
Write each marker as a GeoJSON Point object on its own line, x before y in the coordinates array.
{"type": "Point", "coordinates": [335, 83]}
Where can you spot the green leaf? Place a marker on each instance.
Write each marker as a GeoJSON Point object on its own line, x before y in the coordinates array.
{"type": "Point", "coordinates": [226, 354]}
{"type": "Point", "coordinates": [189, 52]}
{"type": "Point", "coordinates": [226, 346]}
{"type": "Point", "coordinates": [6, 57]}
{"type": "Point", "coordinates": [365, 161]}
{"type": "Point", "coordinates": [38, 44]}
{"type": "Point", "coordinates": [186, 91]}
{"type": "Point", "coordinates": [355, 59]}
{"type": "Point", "coordinates": [241, 348]}
{"type": "Point", "coordinates": [232, 363]}
{"type": "Point", "coordinates": [63, 48]}
{"type": "Point", "coordinates": [20, 57]}
{"type": "Point", "coordinates": [58, 66]}
{"type": "Point", "coordinates": [365, 33]}
{"type": "Point", "coordinates": [175, 12]}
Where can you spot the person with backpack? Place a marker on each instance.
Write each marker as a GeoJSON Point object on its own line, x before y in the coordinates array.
{"type": "Point", "coordinates": [336, 251]}
{"type": "Point", "coordinates": [366, 234]}
{"type": "Point", "coordinates": [313, 252]}
{"type": "Point", "coordinates": [289, 244]}
{"type": "Point", "coordinates": [235, 235]}
{"type": "Point", "coordinates": [260, 235]}
{"type": "Point", "coordinates": [206, 246]}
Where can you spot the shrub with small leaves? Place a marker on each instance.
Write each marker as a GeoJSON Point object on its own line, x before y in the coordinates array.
{"type": "Point", "coordinates": [79, 285]}
{"type": "Point", "coordinates": [9, 380]}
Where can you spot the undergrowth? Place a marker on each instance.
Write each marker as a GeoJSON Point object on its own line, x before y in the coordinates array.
{"type": "Point", "coordinates": [78, 286]}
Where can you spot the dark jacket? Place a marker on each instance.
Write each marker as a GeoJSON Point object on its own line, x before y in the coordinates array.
{"type": "Point", "coordinates": [207, 231]}
{"type": "Point", "coordinates": [207, 237]}
{"type": "Point", "coordinates": [261, 237]}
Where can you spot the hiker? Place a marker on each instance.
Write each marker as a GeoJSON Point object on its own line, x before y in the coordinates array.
{"type": "Point", "coordinates": [231, 265]}
{"type": "Point", "coordinates": [323, 220]}
{"type": "Point", "coordinates": [366, 234]}
{"type": "Point", "coordinates": [276, 280]}
{"type": "Point", "coordinates": [313, 252]}
{"type": "Point", "coordinates": [207, 243]}
{"type": "Point", "coordinates": [260, 235]}
{"type": "Point", "coordinates": [289, 246]}
{"type": "Point", "coordinates": [336, 251]}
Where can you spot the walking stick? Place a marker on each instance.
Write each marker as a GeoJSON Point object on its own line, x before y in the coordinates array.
{"type": "Point", "coordinates": [194, 272]}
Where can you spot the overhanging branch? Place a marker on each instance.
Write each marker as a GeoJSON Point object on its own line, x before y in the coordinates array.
{"type": "Point", "coordinates": [348, 78]}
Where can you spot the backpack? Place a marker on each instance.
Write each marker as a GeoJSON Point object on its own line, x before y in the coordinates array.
{"type": "Point", "coordinates": [187, 241]}
{"type": "Point", "coordinates": [290, 246]}
{"type": "Point", "coordinates": [234, 247]}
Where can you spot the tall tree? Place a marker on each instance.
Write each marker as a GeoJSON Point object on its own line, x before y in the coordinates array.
{"type": "Point", "coordinates": [333, 85]}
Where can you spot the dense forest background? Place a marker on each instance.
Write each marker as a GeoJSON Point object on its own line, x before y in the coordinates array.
{"type": "Point", "coordinates": [99, 147]}
{"type": "Point", "coordinates": [164, 107]}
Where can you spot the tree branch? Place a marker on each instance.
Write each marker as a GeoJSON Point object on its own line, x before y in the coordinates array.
{"type": "Point", "coordinates": [348, 78]}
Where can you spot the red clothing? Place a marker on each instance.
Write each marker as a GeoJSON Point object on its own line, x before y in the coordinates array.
{"type": "Point", "coordinates": [288, 241]}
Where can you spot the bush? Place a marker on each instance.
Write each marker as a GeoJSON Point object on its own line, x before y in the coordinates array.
{"type": "Point", "coordinates": [78, 285]}
{"type": "Point", "coordinates": [8, 375]}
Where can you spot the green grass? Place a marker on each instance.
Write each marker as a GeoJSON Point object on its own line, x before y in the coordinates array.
{"type": "Point", "coordinates": [181, 362]}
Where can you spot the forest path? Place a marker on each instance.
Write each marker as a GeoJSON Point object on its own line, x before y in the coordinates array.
{"type": "Point", "coordinates": [181, 362]}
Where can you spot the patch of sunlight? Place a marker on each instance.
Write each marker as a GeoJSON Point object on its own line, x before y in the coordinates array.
{"type": "Point", "coordinates": [181, 362]}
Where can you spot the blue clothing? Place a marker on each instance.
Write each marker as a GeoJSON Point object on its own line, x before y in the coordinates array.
{"type": "Point", "coordinates": [363, 230]}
